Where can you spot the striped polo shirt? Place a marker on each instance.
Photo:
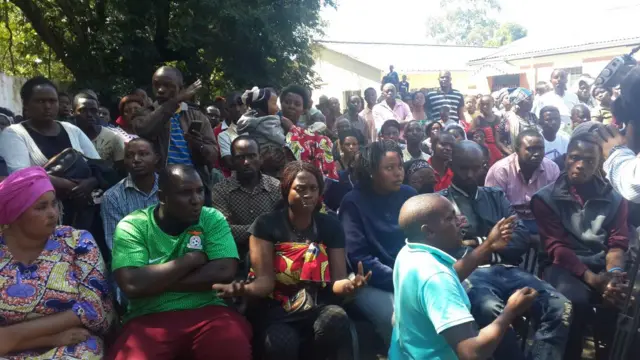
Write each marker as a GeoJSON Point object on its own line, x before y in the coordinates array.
{"type": "Point", "coordinates": [178, 148]}
{"type": "Point", "coordinates": [436, 99]}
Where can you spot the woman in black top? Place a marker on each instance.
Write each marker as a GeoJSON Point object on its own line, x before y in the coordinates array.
{"type": "Point", "coordinates": [297, 253]}
{"type": "Point", "coordinates": [39, 138]}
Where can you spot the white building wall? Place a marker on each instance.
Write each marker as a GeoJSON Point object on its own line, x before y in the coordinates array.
{"type": "Point", "coordinates": [334, 81]}
{"type": "Point", "coordinates": [10, 93]}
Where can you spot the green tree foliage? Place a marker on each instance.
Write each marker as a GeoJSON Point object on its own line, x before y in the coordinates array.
{"type": "Point", "coordinates": [22, 52]}
{"type": "Point", "coordinates": [472, 22]}
{"type": "Point", "coordinates": [507, 33]}
{"type": "Point", "coordinates": [115, 45]}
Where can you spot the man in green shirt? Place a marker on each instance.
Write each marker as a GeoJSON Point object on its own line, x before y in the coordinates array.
{"type": "Point", "coordinates": [166, 259]}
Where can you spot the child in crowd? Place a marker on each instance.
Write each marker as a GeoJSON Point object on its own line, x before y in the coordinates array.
{"type": "Point", "coordinates": [602, 112]}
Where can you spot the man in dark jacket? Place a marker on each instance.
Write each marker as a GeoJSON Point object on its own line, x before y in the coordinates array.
{"type": "Point", "coordinates": [169, 125]}
{"type": "Point", "coordinates": [583, 224]}
{"type": "Point", "coordinates": [489, 286]}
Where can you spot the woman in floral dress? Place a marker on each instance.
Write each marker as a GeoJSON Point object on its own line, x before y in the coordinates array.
{"type": "Point", "coordinates": [54, 298]}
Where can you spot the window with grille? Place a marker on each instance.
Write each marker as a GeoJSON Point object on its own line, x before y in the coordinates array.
{"type": "Point", "coordinates": [573, 75]}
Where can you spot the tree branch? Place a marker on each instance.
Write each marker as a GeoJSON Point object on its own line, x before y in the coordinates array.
{"type": "Point", "coordinates": [46, 33]}
{"type": "Point", "coordinates": [6, 24]}
{"type": "Point", "coordinates": [101, 11]}
{"type": "Point", "coordinates": [67, 8]}
{"type": "Point", "coordinates": [161, 37]}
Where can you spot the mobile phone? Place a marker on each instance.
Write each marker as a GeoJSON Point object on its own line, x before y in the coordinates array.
{"type": "Point", "coordinates": [195, 126]}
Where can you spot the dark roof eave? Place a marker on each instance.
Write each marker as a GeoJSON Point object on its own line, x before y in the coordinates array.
{"type": "Point", "coordinates": [558, 51]}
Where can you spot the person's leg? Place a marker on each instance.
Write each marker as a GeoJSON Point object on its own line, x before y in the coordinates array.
{"type": "Point", "coordinates": [281, 342]}
{"type": "Point", "coordinates": [151, 337]}
{"type": "Point", "coordinates": [531, 225]}
{"type": "Point", "coordinates": [485, 290]}
{"type": "Point", "coordinates": [551, 311]}
{"type": "Point", "coordinates": [579, 294]}
{"type": "Point", "coordinates": [219, 332]}
{"type": "Point", "coordinates": [331, 331]}
{"type": "Point", "coordinates": [377, 306]}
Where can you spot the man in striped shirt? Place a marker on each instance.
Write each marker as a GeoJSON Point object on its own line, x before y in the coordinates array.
{"type": "Point", "coordinates": [168, 125]}
{"type": "Point", "coordinates": [445, 96]}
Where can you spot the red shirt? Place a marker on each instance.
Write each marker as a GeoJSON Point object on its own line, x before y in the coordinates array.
{"type": "Point", "coordinates": [442, 181]}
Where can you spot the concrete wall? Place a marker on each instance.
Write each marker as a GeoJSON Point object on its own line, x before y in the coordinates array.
{"type": "Point", "coordinates": [461, 81]}
{"type": "Point", "coordinates": [592, 62]}
{"type": "Point", "coordinates": [10, 93]}
{"type": "Point", "coordinates": [339, 73]}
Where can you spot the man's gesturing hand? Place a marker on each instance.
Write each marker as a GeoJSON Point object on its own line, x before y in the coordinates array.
{"type": "Point", "coordinates": [501, 233]}
{"type": "Point", "coordinates": [188, 93]}
{"type": "Point", "coordinates": [521, 301]}
{"type": "Point", "coordinates": [609, 137]}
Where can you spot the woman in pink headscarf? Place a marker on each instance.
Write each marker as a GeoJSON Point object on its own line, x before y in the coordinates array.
{"type": "Point", "coordinates": [54, 295]}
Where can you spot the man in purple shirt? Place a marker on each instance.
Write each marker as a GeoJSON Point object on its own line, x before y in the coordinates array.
{"type": "Point", "coordinates": [391, 108]}
{"type": "Point", "coordinates": [521, 174]}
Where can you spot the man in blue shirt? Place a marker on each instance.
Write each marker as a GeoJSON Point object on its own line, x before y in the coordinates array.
{"type": "Point", "coordinates": [432, 311]}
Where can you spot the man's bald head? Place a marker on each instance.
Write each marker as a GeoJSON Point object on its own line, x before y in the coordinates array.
{"type": "Point", "coordinates": [429, 218]}
{"type": "Point", "coordinates": [446, 73]}
{"type": "Point", "coordinates": [467, 164]}
{"type": "Point", "coordinates": [181, 194]}
{"type": "Point", "coordinates": [467, 149]}
{"type": "Point", "coordinates": [173, 175]}
{"type": "Point", "coordinates": [170, 71]}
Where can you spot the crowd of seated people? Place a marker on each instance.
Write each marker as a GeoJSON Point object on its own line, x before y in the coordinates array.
{"type": "Point", "coordinates": [258, 229]}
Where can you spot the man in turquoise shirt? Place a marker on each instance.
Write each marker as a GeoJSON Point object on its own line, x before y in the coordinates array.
{"type": "Point", "coordinates": [432, 310]}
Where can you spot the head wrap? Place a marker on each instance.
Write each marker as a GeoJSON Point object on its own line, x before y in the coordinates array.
{"type": "Point", "coordinates": [583, 79]}
{"type": "Point", "coordinates": [416, 165]}
{"type": "Point", "coordinates": [20, 191]}
{"type": "Point", "coordinates": [257, 99]}
{"type": "Point", "coordinates": [518, 95]}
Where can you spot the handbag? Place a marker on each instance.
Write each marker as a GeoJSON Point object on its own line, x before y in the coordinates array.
{"type": "Point", "coordinates": [68, 164]}
{"type": "Point", "coordinates": [301, 302]}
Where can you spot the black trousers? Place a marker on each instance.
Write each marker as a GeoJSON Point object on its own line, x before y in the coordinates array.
{"type": "Point", "coordinates": [319, 335]}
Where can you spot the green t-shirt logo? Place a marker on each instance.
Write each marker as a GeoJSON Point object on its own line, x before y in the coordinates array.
{"type": "Point", "coordinates": [195, 243]}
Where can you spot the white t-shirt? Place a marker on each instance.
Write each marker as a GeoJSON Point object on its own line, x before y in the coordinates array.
{"type": "Point", "coordinates": [556, 148]}
{"type": "Point", "coordinates": [564, 104]}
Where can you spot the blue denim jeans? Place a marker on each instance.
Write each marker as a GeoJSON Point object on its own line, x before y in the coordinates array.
{"type": "Point", "coordinates": [489, 289]}
{"type": "Point", "coordinates": [377, 306]}
{"type": "Point", "coordinates": [531, 225]}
